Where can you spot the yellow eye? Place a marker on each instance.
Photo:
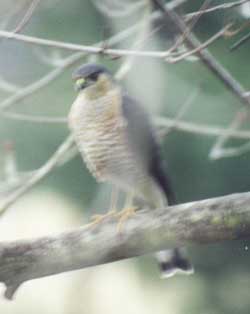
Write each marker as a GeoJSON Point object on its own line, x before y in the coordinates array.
{"type": "Point", "coordinates": [80, 83]}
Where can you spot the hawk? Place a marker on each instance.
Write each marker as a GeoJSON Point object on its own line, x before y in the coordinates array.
{"type": "Point", "coordinates": [115, 137]}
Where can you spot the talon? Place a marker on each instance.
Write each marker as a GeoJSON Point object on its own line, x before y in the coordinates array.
{"type": "Point", "coordinates": [124, 215]}
{"type": "Point", "coordinates": [97, 219]}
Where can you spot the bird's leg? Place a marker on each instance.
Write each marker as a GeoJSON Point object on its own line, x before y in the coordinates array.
{"type": "Point", "coordinates": [113, 200]}
{"type": "Point", "coordinates": [128, 211]}
{"type": "Point", "coordinates": [96, 219]}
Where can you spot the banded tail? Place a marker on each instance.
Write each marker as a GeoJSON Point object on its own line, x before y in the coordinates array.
{"type": "Point", "coordinates": [173, 262]}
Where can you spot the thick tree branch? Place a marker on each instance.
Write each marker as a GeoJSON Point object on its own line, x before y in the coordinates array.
{"type": "Point", "coordinates": [207, 221]}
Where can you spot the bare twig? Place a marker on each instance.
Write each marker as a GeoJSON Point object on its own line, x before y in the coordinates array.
{"type": "Point", "coordinates": [33, 118]}
{"type": "Point", "coordinates": [240, 42]}
{"type": "Point", "coordinates": [50, 164]}
{"type": "Point", "coordinates": [68, 155]}
{"type": "Point", "coordinates": [218, 150]}
{"type": "Point", "coordinates": [161, 122]}
{"type": "Point", "coordinates": [8, 87]}
{"type": "Point", "coordinates": [69, 61]}
{"type": "Point", "coordinates": [82, 48]}
{"type": "Point", "coordinates": [173, 59]}
{"type": "Point", "coordinates": [207, 59]}
{"type": "Point", "coordinates": [199, 129]}
{"type": "Point", "coordinates": [231, 151]}
{"type": "Point", "coordinates": [5, 20]}
{"type": "Point", "coordinates": [90, 49]}
{"type": "Point", "coordinates": [44, 81]}
{"type": "Point", "coordinates": [233, 32]}
{"type": "Point", "coordinates": [190, 27]}
{"type": "Point", "coordinates": [220, 7]}
{"type": "Point", "coordinates": [12, 179]}
{"type": "Point", "coordinates": [183, 109]}
{"type": "Point", "coordinates": [27, 16]}
{"type": "Point", "coordinates": [202, 222]}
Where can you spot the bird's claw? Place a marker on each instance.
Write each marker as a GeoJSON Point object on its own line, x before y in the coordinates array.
{"type": "Point", "coordinates": [97, 219]}
{"type": "Point", "coordinates": [124, 215]}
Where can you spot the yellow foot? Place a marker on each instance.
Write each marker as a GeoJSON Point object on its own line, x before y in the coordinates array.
{"type": "Point", "coordinates": [124, 215]}
{"type": "Point", "coordinates": [97, 219]}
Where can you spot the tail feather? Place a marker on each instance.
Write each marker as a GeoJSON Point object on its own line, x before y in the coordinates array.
{"type": "Point", "coordinates": [172, 262]}
{"type": "Point", "coordinates": [162, 194]}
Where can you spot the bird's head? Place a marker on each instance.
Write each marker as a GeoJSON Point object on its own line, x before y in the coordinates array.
{"type": "Point", "coordinates": [93, 77]}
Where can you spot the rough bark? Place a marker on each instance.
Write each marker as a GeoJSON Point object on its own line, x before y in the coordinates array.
{"type": "Point", "coordinates": [201, 222]}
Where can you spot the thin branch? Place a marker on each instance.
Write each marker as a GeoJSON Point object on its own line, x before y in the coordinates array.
{"type": "Point", "coordinates": [32, 88]}
{"type": "Point", "coordinates": [220, 7]}
{"type": "Point", "coordinates": [180, 41]}
{"type": "Point", "coordinates": [11, 178]}
{"type": "Point", "coordinates": [206, 57]}
{"type": "Point", "coordinates": [5, 20]}
{"type": "Point", "coordinates": [50, 164]}
{"type": "Point", "coordinates": [33, 118]}
{"type": "Point", "coordinates": [7, 188]}
{"type": "Point", "coordinates": [82, 48]}
{"type": "Point", "coordinates": [27, 16]}
{"type": "Point", "coordinates": [68, 155]}
{"type": "Point", "coordinates": [183, 109]}
{"type": "Point", "coordinates": [231, 151]}
{"type": "Point", "coordinates": [8, 87]}
{"type": "Point", "coordinates": [162, 122]}
{"type": "Point", "coordinates": [100, 50]}
{"type": "Point", "coordinates": [52, 75]}
{"type": "Point", "coordinates": [44, 81]}
{"type": "Point", "coordinates": [202, 46]}
{"type": "Point", "coordinates": [202, 222]}
{"type": "Point", "coordinates": [218, 150]}
{"type": "Point", "coordinates": [72, 59]}
{"type": "Point", "coordinates": [48, 78]}
{"type": "Point", "coordinates": [199, 129]}
{"type": "Point", "coordinates": [97, 50]}
{"type": "Point", "coordinates": [92, 49]}
{"type": "Point", "coordinates": [240, 42]}
{"type": "Point", "coordinates": [233, 32]}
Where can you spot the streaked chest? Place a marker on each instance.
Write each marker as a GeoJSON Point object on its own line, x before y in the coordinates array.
{"type": "Point", "coordinates": [100, 132]}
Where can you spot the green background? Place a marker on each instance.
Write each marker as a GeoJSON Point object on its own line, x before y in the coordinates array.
{"type": "Point", "coordinates": [221, 282]}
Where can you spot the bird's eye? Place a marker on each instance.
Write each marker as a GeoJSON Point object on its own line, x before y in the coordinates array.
{"type": "Point", "coordinates": [94, 76]}
{"type": "Point", "coordinates": [79, 84]}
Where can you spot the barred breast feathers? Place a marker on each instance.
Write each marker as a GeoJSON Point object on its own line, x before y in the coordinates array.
{"type": "Point", "coordinates": [100, 131]}
{"type": "Point", "coordinates": [97, 126]}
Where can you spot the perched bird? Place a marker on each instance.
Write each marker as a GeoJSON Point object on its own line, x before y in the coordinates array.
{"type": "Point", "coordinates": [117, 142]}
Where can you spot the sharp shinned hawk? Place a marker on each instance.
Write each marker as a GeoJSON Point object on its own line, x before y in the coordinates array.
{"type": "Point", "coordinates": [117, 142]}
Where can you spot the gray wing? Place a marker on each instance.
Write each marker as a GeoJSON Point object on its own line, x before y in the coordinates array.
{"type": "Point", "coordinates": [143, 142]}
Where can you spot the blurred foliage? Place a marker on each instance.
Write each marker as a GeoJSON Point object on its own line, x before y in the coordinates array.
{"type": "Point", "coordinates": [221, 269]}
